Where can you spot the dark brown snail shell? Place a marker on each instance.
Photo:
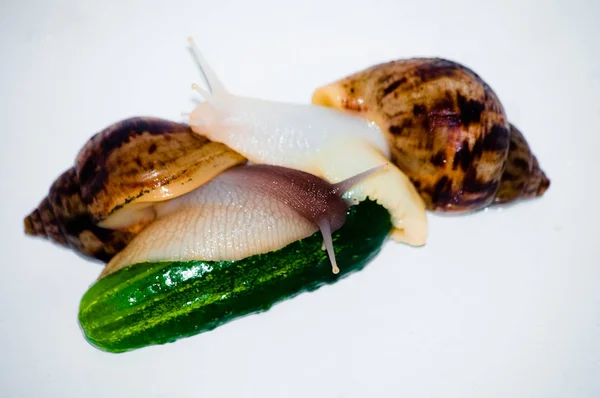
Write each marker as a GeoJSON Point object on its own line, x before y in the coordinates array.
{"type": "Point", "coordinates": [98, 206]}
{"type": "Point", "coordinates": [63, 218]}
{"type": "Point", "coordinates": [138, 161]}
{"type": "Point", "coordinates": [522, 176]}
{"type": "Point", "coordinates": [447, 131]}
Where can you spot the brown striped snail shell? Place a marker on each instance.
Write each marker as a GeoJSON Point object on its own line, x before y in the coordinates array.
{"type": "Point", "coordinates": [447, 131]}
{"type": "Point", "coordinates": [522, 176]}
{"type": "Point", "coordinates": [63, 218]}
{"type": "Point", "coordinates": [98, 206]}
{"type": "Point", "coordinates": [136, 162]}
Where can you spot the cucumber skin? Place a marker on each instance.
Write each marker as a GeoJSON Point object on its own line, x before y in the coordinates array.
{"type": "Point", "coordinates": [157, 303]}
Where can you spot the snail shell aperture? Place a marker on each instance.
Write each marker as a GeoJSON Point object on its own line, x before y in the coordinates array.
{"type": "Point", "coordinates": [447, 131]}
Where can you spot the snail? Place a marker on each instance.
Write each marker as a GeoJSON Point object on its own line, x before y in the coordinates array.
{"type": "Point", "coordinates": [317, 140]}
{"type": "Point", "coordinates": [100, 204]}
{"type": "Point", "coordinates": [447, 131]}
{"type": "Point", "coordinates": [147, 189]}
{"type": "Point", "coordinates": [244, 211]}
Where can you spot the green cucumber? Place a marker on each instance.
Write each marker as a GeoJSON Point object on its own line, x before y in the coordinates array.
{"type": "Point", "coordinates": [157, 303]}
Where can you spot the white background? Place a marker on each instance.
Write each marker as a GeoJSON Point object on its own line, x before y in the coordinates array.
{"type": "Point", "coordinates": [500, 303]}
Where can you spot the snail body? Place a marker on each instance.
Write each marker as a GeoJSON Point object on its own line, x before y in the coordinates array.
{"type": "Point", "coordinates": [316, 140]}
{"type": "Point", "coordinates": [446, 129]}
{"type": "Point", "coordinates": [246, 210]}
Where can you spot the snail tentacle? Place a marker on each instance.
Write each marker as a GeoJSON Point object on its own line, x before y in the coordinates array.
{"type": "Point", "coordinates": [215, 85]}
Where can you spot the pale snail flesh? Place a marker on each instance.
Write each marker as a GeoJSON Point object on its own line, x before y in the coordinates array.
{"type": "Point", "coordinates": [244, 211]}
{"type": "Point", "coordinates": [446, 129]}
{"type": "Point", "coordinates": [316, 140]}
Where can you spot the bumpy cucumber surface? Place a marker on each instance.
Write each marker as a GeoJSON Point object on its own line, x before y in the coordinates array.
{"type": "Point", "coordinates": [157, 303]}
